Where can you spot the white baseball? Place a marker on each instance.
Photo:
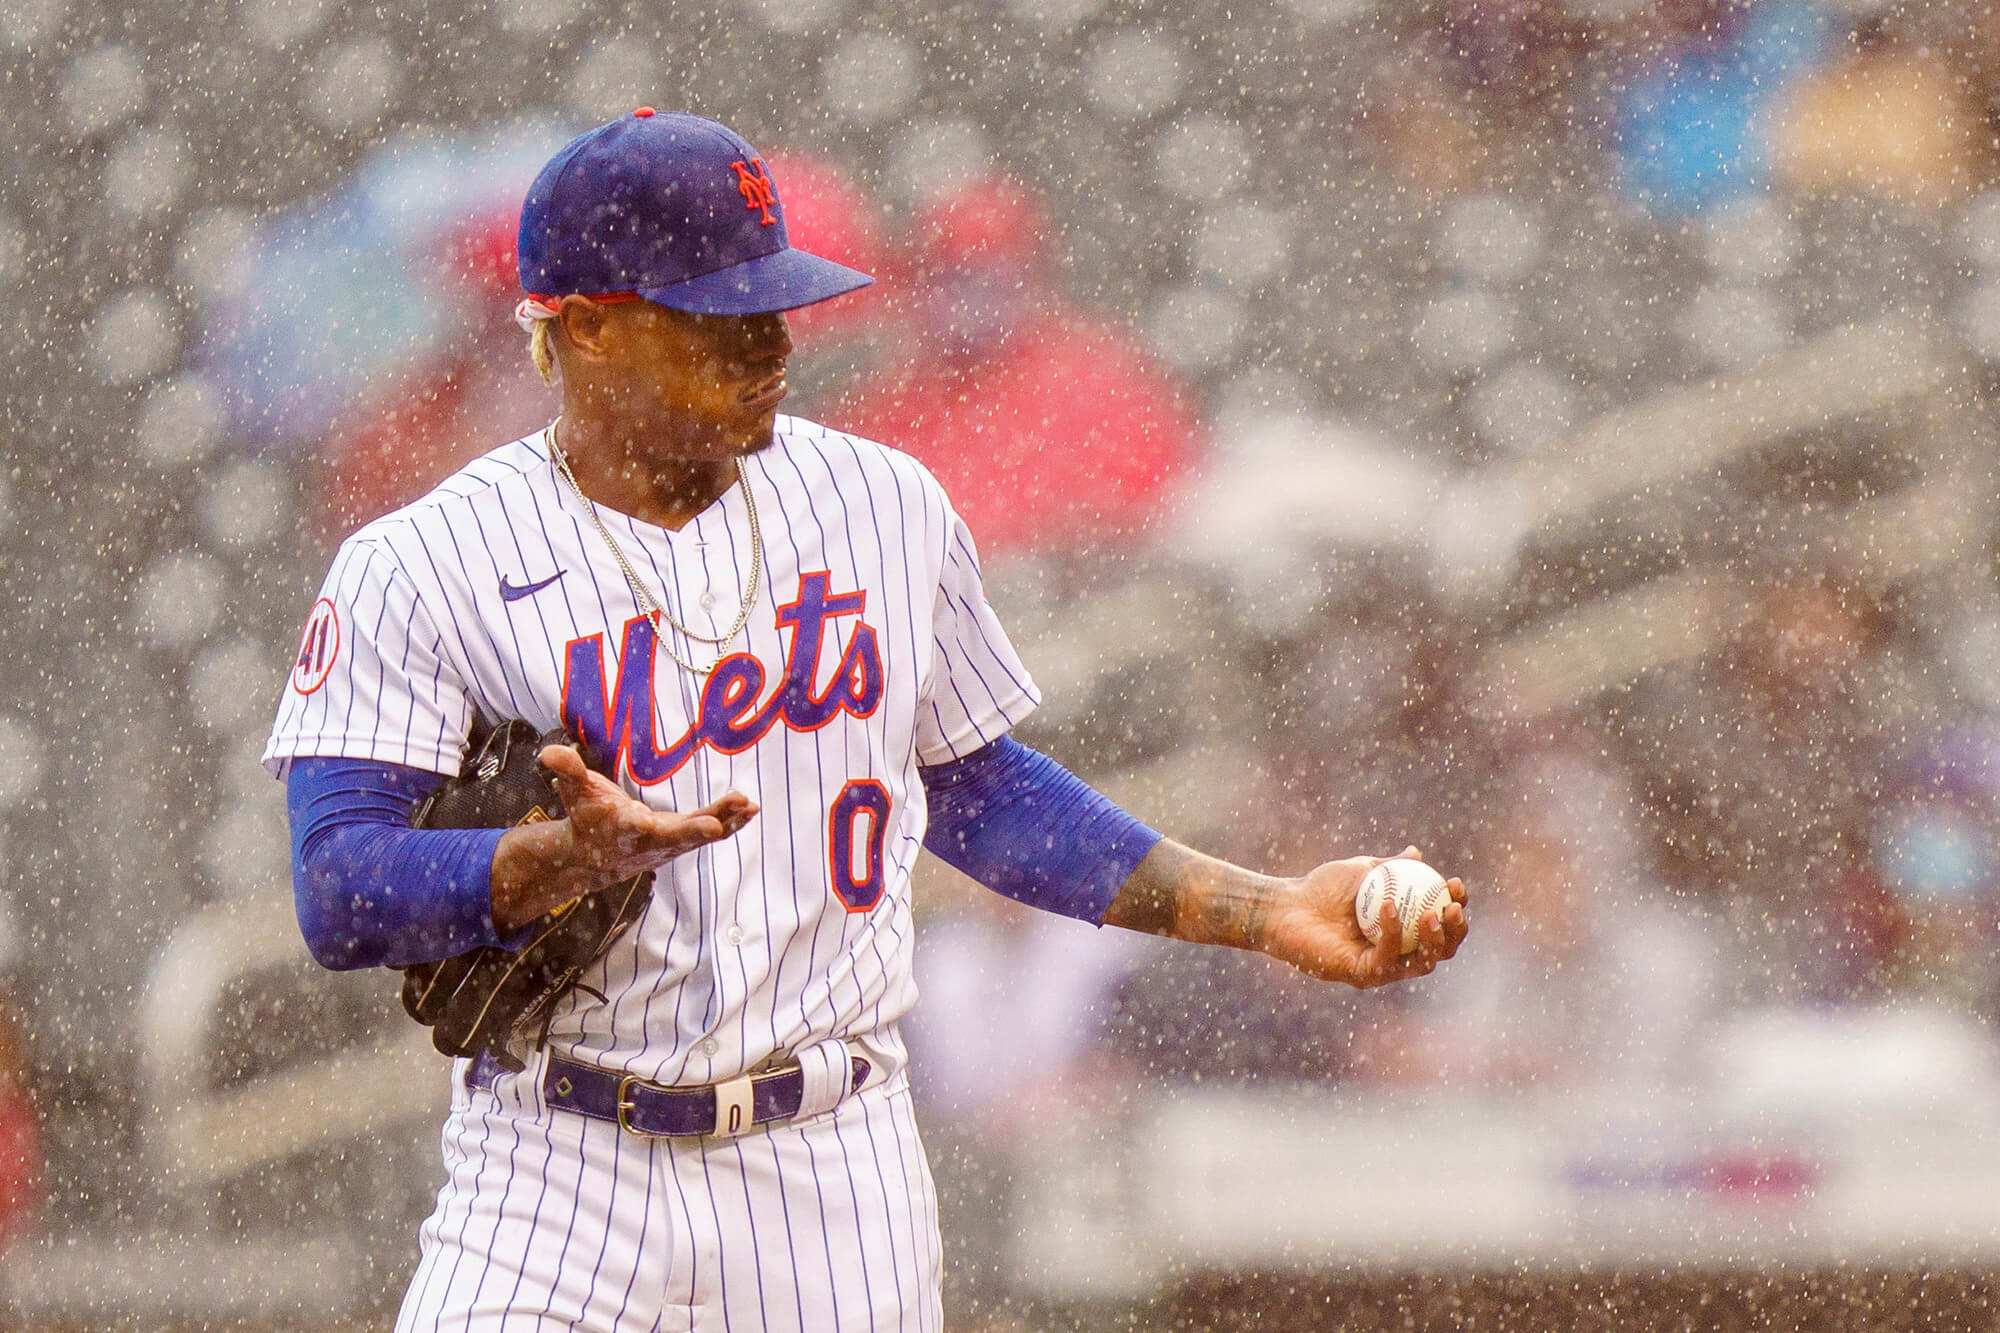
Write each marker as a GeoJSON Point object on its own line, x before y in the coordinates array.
{"type": "Point", "coordinates": [1419, 892]}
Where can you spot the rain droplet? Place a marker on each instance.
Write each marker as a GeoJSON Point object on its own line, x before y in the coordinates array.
{"type": "Point", "coordinates": [25, 25]}
{"type": "Point", "coordinates": [1135, 73]}
{"type": "Point", "coordinates": [216, 256]}
{"type": "Point", "coordinates": [276, 24]}
{"type": "Point", "coordinates": [1192, 326]}
{"type": "Point", "coordinates": [935, 153]}
{"type": "Point", "coordinates": [1201, 156]}
{"type": "Point", "coordinates": [1331, 11]}
{"type": "Point", "coordinates": [1979, 230]}
{"type": "Point", "coordinates": [1242, 242]}
{"type": "Point", "coordinates": [102, 88]}
{"type": "Point", "coordinates": [180, 599]}
{"type": "Point", "coordinates": [146, 172]}
{"type": "Point", "coordinates": [243, 852]}
{"type": "Point", "coordinates": [1750, 241]}
{"type": "Point", "coordinates": [219, 686]}
{"type": "Point", "coordinates": [179, 422]}
{"type": "Point", "coordinates": [1978, 317]}
{"type": "Point", "coordinates": [356, 83]}
{"type": "Point", "coordinates": [1465, 330]}
{"type": "Point", "coordinates": [796, 15]}
{"type": "Point", "coordinates": [870, 76]}
{"type": "Point", "coordinates": [1488, 238]}
{"type": "Point", "coordinates": [537, 18]}
{"type": "Point", "coordinates": [13, 252]}
{"type": "Point", "coordinates": [20, 761]}
{"type": "Point", "coordinates": [1732, 327]}
{"type": "Point", "coordinates": [248, 503]}
{"type": "Point", "coordinates": [610, 76]}
{"type": "Point", "coordinates": [1054, 16]}
{"type": "Point", "coordinates": [134, 335]}
{"type": "Point", "coordinates": [1523, 407]}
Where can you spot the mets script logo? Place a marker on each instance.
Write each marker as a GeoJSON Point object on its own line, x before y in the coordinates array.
{"type": "Point", "coordinates": [618, 723]}
{"type": "Point", "coordinates": [755, 187]}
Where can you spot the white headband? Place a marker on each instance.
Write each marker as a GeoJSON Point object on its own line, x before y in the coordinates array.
{"type": "Point", "coordinates": [533, 310]}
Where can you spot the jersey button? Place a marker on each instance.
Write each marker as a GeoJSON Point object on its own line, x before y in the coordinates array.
{"type": "Point", "coordinates": [734, 934]}
{"type": "Point", "coordinates": [707, 1047]}
{"type": "Point", "coordinates": [707, 601]}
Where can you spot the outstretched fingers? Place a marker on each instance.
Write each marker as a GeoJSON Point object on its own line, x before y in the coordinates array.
{"type": "Point", "coordinates": [677, 832]}
{"type": "Point", "coordinates": [732, 810]}
{"type": "Point", "coordinates": [619, 832]}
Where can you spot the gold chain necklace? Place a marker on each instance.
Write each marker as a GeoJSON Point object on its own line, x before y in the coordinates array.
{"type": "Point", "coordinates": [645, 598]}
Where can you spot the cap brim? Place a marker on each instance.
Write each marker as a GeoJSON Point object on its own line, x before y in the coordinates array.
{"type": "Point", "coordinates": [785, 280]}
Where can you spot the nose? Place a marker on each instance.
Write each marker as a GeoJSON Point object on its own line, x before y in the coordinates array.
{"type": "Point", "coordinates": [779, 336]}
{"type": "Point", "coordinates": [766, 338]}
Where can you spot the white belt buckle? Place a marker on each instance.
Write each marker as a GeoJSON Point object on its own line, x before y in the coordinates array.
{"type": "Point", "coordinates": [734, 1111]}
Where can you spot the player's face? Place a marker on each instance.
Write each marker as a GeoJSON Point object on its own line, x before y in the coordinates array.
{"type": "Point", "coordinates": [712, 383]}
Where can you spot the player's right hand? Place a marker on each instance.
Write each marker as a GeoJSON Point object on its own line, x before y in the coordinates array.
{"type": "Point", "coordinates": [621, 837]}
{"type": "Point", "coordinates": [605, 837]}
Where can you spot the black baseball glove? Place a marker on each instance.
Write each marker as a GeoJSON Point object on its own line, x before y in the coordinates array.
{"type": "Point", "coordinates": [501, 1000]}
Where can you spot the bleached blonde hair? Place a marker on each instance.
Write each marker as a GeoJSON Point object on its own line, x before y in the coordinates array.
{"type": "Point", "coordinates": [542, 351]}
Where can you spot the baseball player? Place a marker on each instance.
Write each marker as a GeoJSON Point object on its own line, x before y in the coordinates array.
{"type": "Point", "coordinates": [770, 640]}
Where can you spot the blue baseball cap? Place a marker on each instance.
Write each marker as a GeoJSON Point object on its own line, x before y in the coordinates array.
{"type": "Point", "coordinates": [675, 209]}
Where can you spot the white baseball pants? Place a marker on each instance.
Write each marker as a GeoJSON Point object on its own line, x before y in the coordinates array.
{"type": "Point", "coordinates": [549, 1220]}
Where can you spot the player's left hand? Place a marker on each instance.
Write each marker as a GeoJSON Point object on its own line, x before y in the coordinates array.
{"type": "Point", "coordinates": [1313, 927]}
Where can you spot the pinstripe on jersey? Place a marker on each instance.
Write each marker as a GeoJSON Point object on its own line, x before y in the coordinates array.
{"type": "Point", "coordinates": [745, 950]}
{"type": "Point", "coordinates": [748, 949]}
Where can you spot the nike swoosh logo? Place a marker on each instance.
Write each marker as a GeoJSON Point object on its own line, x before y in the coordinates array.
{"type": "Point", "coordinates": [515, 592]}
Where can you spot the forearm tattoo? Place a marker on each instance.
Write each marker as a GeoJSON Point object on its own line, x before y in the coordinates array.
{"type": "Point", "coordinates": [1179, 892]}
{"type": "Point", "coordinates": [1233, 913]}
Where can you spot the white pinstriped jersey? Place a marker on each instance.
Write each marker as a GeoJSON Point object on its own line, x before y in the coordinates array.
{"type": "Point", "coordinates": [496, 592]}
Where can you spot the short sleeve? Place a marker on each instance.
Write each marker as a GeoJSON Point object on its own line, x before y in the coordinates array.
{"type": "Point", "coordinates": [979, 690]}
{"type": "Point", "coordinates": [370, 679]}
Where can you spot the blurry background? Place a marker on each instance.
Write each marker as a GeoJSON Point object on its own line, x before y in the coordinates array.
{"type": "Point", "coordinates": [1553, 432]}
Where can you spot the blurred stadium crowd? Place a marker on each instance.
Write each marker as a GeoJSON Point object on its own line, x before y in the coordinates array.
{"type": "Point", "coordinates": [1553, 432]}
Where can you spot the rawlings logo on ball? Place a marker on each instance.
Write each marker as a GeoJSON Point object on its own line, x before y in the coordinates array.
{"type": "Point", "coordinates": [1418, 891]}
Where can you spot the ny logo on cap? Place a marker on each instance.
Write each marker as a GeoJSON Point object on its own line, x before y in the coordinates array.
{"type": "Point", "coordinates": [755, 189]}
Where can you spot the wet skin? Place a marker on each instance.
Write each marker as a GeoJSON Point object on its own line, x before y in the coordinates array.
{"type": "Point", "coordinates": [659, 404]}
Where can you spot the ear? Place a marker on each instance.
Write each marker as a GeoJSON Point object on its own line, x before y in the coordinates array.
{"type": "Point", "coordinates": [583, 326]}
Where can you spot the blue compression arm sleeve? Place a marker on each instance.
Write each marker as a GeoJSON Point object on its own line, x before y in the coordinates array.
{"type": "Point", "coordinates": [1026, 827]}
{"type": "Point", "coordinates": [371, 890]}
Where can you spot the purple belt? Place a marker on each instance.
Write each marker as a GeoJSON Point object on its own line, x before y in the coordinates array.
{"type": "Point", "coordinates": [653, 1111]}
